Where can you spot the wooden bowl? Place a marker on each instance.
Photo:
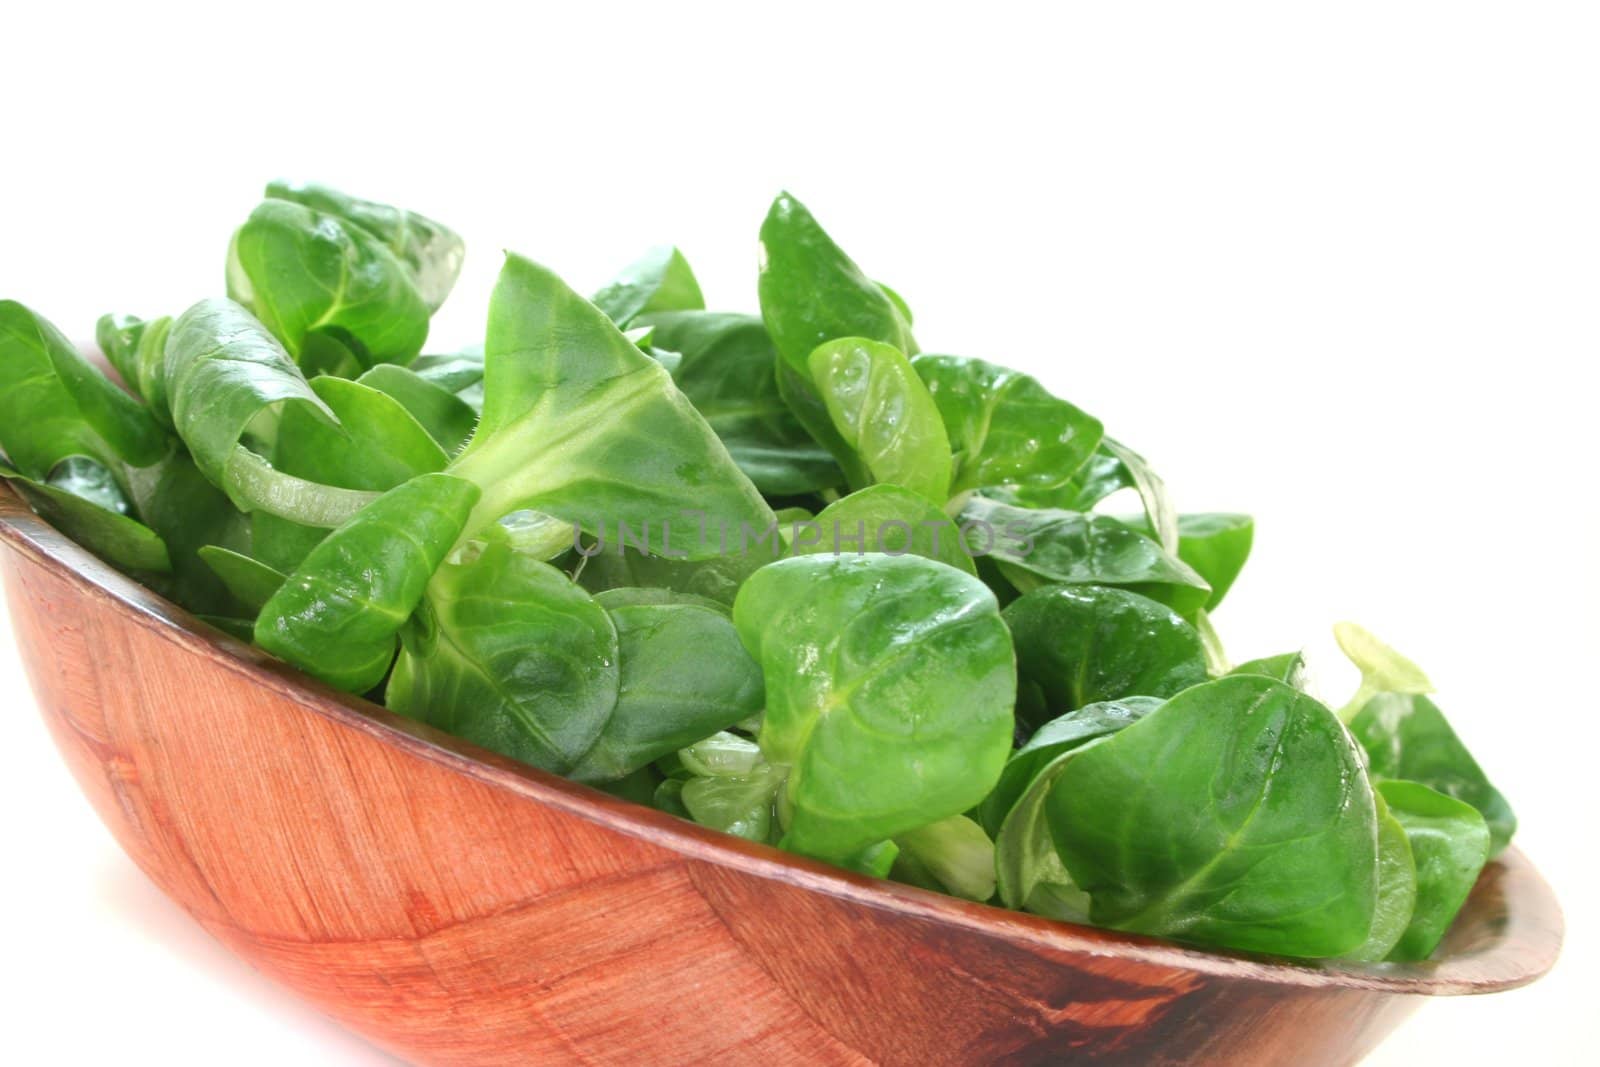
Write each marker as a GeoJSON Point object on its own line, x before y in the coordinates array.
{"type": "Point", "coordinates": [458, 908]}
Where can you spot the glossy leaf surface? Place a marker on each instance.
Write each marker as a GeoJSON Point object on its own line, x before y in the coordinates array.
{"type": "Point", "coordinates": [1182, 824]}
{"type": "Point", "coordinates": [150, 365]}
{"type": "Point", "coordinates": [376, 445]}
{"type": "Point", "coordinates": [90, 480]}
{"type": "Point", "coordinates": [744, 804]}
{"type": "Point", "coordinates": [320, 471]}
{"type": "Point", "coordinates": [1027, 865]}
{"type": "Point", "coordinates": [176, 500]}
{"type": "Point", "coordinates": [516, 658]}
{"type": "Point", "coordinates": [724, 754]}
{"type": "Point", "coordinates": [118, 339]}
{"type": "Point", "coordinates": [1158, 508]}
{"type": "Point", "coordinates": [812, 292]}
{"type": "Point", "coordinates": [1085, 644]}
{"type": "Point", "coordinates": [1101, 475]}
{"type": "Point", "coordinates": [1397, 887]}
{"type": "Point", "coordinates": [1038, 547]}
{"type": "Point", "coordinates": [137, 350]}
{"type": "Point", "coordinates": [1215, 544]}
{"type": "Point", "coordinates": [224, 370]}
{"type": "Point", "coordinates": [1449, 844]}
{"type": "Point", "coordinates": [684, 676]}
{"type": "Point", "coordinates": [55, 404]}
{"type": "Point", "coordinates": [887, 519]}
{"type": "Point", "coordinates": [308, 275]}
{"type": "Point", "coordinates": [579, 424]}
{"type": "Point", "coordinates": [120, 540]}
{"type": "Point", "coordinates": [1407, 737]}
{"type": "Point", "coordinates": [445, 416]}
{"type": "Point", "coordinates": [728, 370]}
{"type": "Point", "coordinates": [1005, 428]}
{"type": "Point", "coordinates": [1061, 734]}
{"type": "Point", "coordinates": [1288, 668]}
{"type": "Point", "coordinates": [660, 280]}
{"type": "Point", "coordinates": [889, 692]}
{"type": "Point", "coordinates": [337, 615]}
{"type": "Point", "coordinates": [1026, 862]}
{"type": "Point", "coordinates": [954, 853]}
{"type": "Point", "coordinates": [716, 577]}
{"type": "Point", "coordinates": [884, 415]}
{"type": "Point", "coordinates": [253, 582]}
{"type": "Point", "coordinates": [430, 252]}
{"type": "Point", "coordinates": [459, 372]}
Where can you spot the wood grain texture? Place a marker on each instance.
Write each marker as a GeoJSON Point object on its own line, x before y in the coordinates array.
{"type": "Point", "coordinates": [460, 909]}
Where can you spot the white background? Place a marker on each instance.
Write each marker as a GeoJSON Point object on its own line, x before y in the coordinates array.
{"type": "Point", "coordinates": [1335, 265]}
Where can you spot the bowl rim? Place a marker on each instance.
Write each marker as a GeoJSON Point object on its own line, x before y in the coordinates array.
{"type": "Point", "coordinates": [1524, 949]}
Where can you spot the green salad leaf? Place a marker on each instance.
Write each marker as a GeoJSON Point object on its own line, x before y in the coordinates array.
{"type": "Point", "coordinates": [1059, 735]}
{"type": "Point", "coordinates": [883, 415]}
{"type": "Point", "coordinates": [1005, 428]}
{"type": "Point", "coordinates": [812, 292]}
{"type": "Point", "coordinates": [684, 676]}
{"type": "Point", "coordinates": [1036, 547]}
{"type": "Point", "coordinates": [889, 688]}
{"type": "Point", "coordinates": [337, 615]}
{"type": "Point", "coordinates": [1215, 544]}
{"type": "Point", "coordinates": [1288, 668]}
{"type": "Point", "coordinates": [253, 582]}
{"type": "Point", "coordinates": [953, 855]}
{"type": "Point", "coordinates": [118, 337]}
{"type": "Point", "coordinates": [727, 368]}
{"type": "Point", "coordinates": [886, 519]}
{"type": "Point", "coordinates": [1083, 645]}
{"type": "Point", "coordinates": [660, 280]}
{"type": "Point", "coordinates": [430, 252]}
{"type": "Point", "coordinates": [331, 291]}
{"type": "Point", "coordinates": [1383, 670]}
{"type": "Point", "coordinates": [228, 377]}
{"type": "Point", "coordinates": [779, 575]}
{"type": "Point", "coordinates": [1029, 873]}
{"type": "Point", "coordinates": [1449, 844]}
{"type": "Point", "coordinates": [445, 417]}
{"type": "Point", "coordinates": [1397, 887]}
{"type": "Point", "coordinates": [1208, 842]}
{"type": "Point", "coordinates": [579, 424]}
{"type": "Point", "coordinates": [1407, 737]}
{"type": "Point", "coordinates": [124, 542]}
{"type": "Point", "coordinates": [514, 657]}
{"type": "Point", "coordinates": [55, 404]}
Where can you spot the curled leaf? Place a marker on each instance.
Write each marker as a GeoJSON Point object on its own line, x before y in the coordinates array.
{"type": "Point", "coordinates": [337, 615]}
{"type": "Point", "coordinates": [884, 416]}
{"type": "Point", "coordinates": [889, 688]}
